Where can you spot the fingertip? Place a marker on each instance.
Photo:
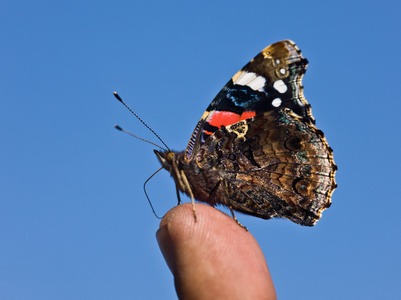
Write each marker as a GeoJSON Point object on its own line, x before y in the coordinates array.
{"type": "Point", "coordinates": [170, 232]}
{"type": "Point", "coordinates": [179, 231]}
{"type": "Point", "coordinates": [215, 252]}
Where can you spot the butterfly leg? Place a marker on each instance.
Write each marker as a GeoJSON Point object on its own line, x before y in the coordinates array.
{"type": "Point", "coordinates": [178, 195]}
{"type": "Point", "coordinates": [188, 189]}
{"type": "Point", "coordinates": [230, 207]}
{"type": "Point", "coordinates": [235, 218]}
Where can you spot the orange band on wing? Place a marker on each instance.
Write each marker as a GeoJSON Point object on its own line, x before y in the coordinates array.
{"type": "Point", "coordinates": [225, 118]}
{"type": "Point", "coordinates": [247, 115]}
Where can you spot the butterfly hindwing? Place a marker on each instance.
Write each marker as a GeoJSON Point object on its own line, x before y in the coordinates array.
{"type": "Point", "coordinates": [273, 164]}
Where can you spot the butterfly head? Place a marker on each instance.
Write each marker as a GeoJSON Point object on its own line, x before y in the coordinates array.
{"type": "Point", "coordinates": [172, 162]}
{"type": "Point", "coordinates": [166, 158]}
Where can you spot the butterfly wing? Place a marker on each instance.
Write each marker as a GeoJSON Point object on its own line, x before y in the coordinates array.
{"type": "Point", "coordinates": [270, 165]}
{"type": "Point", "coordinates": [256, 148]}
{"type": "Point", "coordinates": [269, 81]}
{"type": "Point", "coordinates": [285, 168]}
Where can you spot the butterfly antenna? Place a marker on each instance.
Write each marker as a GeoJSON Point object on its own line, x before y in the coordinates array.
{"type": "Point", "coordinates": [146, 125]}
{"type": "Point", "coordinates": [144, 188]}
{"type": "Point", "coordinates": [135, 136]}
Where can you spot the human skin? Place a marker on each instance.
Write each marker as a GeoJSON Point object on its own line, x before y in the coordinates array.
{"type": "Point", "coordinates": [212, 258]}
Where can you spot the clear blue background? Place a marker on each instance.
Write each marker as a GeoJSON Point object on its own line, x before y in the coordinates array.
{"type": "Point", "coordinates": [74, 222]}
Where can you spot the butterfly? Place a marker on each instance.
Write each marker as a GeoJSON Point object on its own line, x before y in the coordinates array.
{"type": "Point", "coordinates": [256, 148]}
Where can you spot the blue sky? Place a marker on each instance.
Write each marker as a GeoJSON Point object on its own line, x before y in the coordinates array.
{"type": "Point", "coordinates": [74, 222]}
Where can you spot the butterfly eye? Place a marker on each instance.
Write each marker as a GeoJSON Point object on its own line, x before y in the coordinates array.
{"type": "Point", "coordinates": [170, 156]}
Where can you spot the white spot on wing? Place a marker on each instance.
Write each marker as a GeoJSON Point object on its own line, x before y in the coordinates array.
{"type": "Point", "coordinates": [245, 78]}
{"type": "Point", "coordinates": [257, 84]}
{"type": "Point", "coordinates": [282, 71]}
{"type": "Point", "coordinates": [280, 86]}
{"type": "Point", "coordinates": [253, 80]}
{"type": "Point", "coordinates": [276, 102]}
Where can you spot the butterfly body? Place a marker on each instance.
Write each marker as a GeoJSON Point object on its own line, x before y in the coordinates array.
{"type": "Point", "coordinates": [256, 148]}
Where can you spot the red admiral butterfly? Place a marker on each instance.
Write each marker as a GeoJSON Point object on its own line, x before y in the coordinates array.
{"type": "Point", "coordinates": [256, 148]}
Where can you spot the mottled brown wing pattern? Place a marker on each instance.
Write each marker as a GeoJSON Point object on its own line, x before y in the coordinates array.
{"type": "Point", "coordinates": [272, 165]}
